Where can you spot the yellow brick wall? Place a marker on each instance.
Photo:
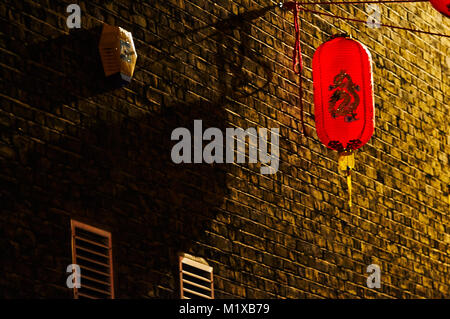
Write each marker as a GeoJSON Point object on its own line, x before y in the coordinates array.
{"type": "Point", "coordinates": [72, 148]}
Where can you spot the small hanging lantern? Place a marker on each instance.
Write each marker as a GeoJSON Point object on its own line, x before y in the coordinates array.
{"type": "Point", "coordinates": [117, 53]}
{"type": "Point", "coordinates": [443, 6]}
{"type": "Point", "coordinates": [343, 98]}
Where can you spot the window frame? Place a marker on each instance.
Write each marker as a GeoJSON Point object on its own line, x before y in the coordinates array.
{"type": "Point", "coordinates": [200, 265]}
{"type": "Point", "coordinates": [98, 231]}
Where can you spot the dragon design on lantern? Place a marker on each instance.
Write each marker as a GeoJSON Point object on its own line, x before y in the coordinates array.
{"type": "Point", "coordinates": [345, 90]}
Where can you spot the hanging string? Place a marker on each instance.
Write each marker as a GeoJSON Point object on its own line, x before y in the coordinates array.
{"type": "Point", "coordinates": [381, 24]}
{"type": "Point", "coordinates": [291, 4]}
{"type": "Point", "coordinates": [355, 2]}
{"type": "Point", "coordinates": [297, 65]}
{"type": "Point", "coordinates": [297, 59]}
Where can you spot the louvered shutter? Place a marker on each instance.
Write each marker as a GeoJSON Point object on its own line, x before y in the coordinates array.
{"type": "Point", "coordinates": [196, 279]}
{"type": "Point", "coordinates": [91, 250]}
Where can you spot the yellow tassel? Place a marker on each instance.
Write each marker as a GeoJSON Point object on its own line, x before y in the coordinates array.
{"type": "Point", "coordinates": [349, 184]}
{"type": "Point", "coordinates": [346, 164]}
{"type": "Point", "coordinates": [448, 193]}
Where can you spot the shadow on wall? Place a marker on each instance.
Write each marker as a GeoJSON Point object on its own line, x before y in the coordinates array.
{"type": "Point", "coordinates": [112, 171]}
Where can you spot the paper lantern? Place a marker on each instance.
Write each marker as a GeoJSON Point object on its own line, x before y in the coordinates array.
{"type": "Point", "coordinates": [343, 98]}
{"type": "Point", "coordinates": [443, 6]}
{"type": "Point", "coordinates": [117, 53]}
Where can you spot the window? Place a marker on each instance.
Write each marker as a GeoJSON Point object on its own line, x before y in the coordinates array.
{"type": "Point", "coordinates": [91, 250]}
{"type": "Point", "coordinates": [196, 278]}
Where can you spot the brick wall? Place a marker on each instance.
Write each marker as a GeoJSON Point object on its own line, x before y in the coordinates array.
{"type": "Point", "coordinates": [73, 147]}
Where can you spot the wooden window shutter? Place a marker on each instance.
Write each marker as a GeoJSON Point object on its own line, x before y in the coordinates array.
{"type": "Point", "coordinates": [196, 278]}
{"type": "Point", "coordinates": [92, 251]}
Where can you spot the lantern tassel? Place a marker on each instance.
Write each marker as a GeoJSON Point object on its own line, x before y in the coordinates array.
{"type": "Point", "coordinates": [448, 193]}
{"type": "Point", "coordinates": [349, 185]}
{"type": "Point", "coordinates": [347, 164]}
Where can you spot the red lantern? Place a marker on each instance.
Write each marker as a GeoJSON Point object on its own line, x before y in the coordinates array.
{"type": "Point", "coordinates": [443, 6]}
{"type": "Point", "coordinates": [343, 97]}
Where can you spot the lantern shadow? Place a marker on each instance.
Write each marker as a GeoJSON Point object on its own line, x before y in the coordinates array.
{"type": "Point", "coordinates": [222, 32]}
{"type": "Point", "coordinates": [111, 169]}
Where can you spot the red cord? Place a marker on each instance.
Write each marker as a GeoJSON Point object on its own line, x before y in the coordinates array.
{"type": "Point", "coordinates": [297, 59]}
{"type": "Point", "coordinates": [354, 2]}
{"type": "Point", "coordinates": [381, 24]}
{"type": "Point", "coordinates": [291, 5]}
